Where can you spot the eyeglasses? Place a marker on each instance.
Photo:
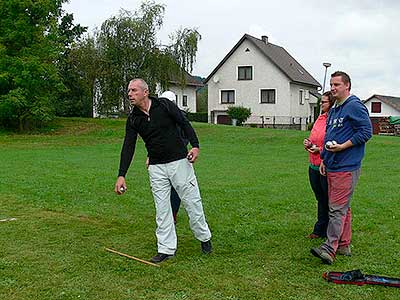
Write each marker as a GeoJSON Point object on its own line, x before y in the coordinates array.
{"type": "Point", "coordinates": [324, 102]}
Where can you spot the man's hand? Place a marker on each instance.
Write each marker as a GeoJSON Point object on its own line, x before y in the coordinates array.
{"type": "Point", "coordinates": [120, 186]}
{"type": "Point", "coordinates": [193, 154]}
{"type": "Point", "coordinates": [147, 162]}
{"type": "Point", "coordinates": [340, 147]}
{"type": "Point", "coordinates": [322, 169]}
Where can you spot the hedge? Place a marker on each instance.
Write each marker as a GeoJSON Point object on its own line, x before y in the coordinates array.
{"type": "Point", "coordinates": [198, 117]}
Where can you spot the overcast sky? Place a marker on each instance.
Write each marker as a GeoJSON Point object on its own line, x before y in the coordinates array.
{"type": "Point", "coordinates": [359, 37]}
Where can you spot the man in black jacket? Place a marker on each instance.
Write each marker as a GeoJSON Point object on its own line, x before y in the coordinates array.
{"type": "Point", "coordinates": [170, 164]}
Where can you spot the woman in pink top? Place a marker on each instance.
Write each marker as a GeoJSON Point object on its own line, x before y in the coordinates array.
{"type": "Point", "coordinates": [319, 182]}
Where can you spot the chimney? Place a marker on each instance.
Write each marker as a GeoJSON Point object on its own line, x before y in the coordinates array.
{"type": "Point", "coordinates": [264, 39]}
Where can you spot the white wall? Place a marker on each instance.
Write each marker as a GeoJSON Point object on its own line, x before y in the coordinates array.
{"type": "Point", "coordinates": [386, 110]}
{"type": "Point", "coordinates": [190, 92]}
{"type": "Point", "coordinates": [313, 103]}
{"type": "Point", "coordinates": [265, 76]}
{"type": "Point", "coordinates": [297, 109]}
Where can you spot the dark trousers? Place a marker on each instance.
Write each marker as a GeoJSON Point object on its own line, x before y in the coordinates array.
{"type": "Point", "coordinates": [175, 202]}
{"type": "Point", "coordinates": [319, 185]}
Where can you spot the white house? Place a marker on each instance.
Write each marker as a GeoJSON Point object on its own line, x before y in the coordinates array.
{"type": "Point", "coordinates": [383, 106]}
{"type": "Point", "coordinates": [185, 95]}
{"type": "Point", "coordinates": [380, 106]}
{"type": "Point", "coordinates": [265, 78]}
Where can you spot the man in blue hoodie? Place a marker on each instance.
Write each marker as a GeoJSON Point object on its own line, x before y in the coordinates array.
{"type": "Point", "coordinates": [348, 129]}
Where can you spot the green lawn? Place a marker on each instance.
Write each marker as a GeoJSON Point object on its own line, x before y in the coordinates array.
{"type": "Point", "coordinates": [258, 202]}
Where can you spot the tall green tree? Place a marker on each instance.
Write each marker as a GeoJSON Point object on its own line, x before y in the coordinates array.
{"type": "Point", "coordinates": [83, 69]}
{"type": "Point", "coordinates": [74, 100]}
{"type": "Point", "coordinates": [202, 99]}
{"type": "Point", "coordinates": [128, 48]}
{"type": "Point", "coordinates": [29, 47]}
{"type": "Point", "coordinates": [184, 49]}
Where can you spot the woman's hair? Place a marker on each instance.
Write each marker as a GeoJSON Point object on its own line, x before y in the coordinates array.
{"type": "Point", "coordinates": [330, 98]}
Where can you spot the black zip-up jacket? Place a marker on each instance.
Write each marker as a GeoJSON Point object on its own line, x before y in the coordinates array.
{"type": "Point", "coordinates": [159, 133]}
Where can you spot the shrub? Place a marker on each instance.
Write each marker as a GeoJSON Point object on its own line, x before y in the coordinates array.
{"type": "Point", "coordinates": [198, 117]}
{"type": "Point", "coordinates": [240, 113]}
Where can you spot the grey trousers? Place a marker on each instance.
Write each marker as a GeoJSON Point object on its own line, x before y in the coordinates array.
{"type": "Point", "coordinates": [179, 174]}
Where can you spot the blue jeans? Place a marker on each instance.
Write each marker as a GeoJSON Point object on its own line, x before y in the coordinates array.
{"type": "Point", "coordinates": [319, 185]}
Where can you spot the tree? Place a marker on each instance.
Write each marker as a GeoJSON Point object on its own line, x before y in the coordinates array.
{"type": "Point", "coordinates": [30, 47]}
{"type": "Point", "coordinates": [184, 49]}
{"type": "Point", "coordinates": [84, 62]}
{"type": "Point", "coordinates": [127, 48]}
{"type": "Point", "coordinates": [202, 99]}
{"type": "Point", "coordinates": [75, 99]}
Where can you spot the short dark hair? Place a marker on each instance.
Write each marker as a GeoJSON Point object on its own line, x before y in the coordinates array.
{"type": "Point", "coordinates": [345, 77]}
{"type": "Point", "coordinates": [330, 98]}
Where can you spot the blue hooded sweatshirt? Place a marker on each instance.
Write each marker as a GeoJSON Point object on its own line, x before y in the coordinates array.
{"type": "Point", "coordinates": [348, 121]}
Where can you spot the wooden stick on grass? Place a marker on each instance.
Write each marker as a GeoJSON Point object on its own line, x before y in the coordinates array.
{"type": "Point", "coordinates": [132, 257]}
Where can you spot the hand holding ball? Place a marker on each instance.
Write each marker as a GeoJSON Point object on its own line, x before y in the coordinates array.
{"type": "Point", "coordinates": [309, 144]}
{"type": "Point", "coordinates": [329, 144]}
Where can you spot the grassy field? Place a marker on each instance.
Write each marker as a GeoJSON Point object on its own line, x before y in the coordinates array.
{"type": "Point", "coordinates": [258, 202]}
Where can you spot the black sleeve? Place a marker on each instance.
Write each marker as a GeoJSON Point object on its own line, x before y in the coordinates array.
{"type": "Point", "coordinates": [181, 132]}
{"type": "Point", "coordinates": [128, 148]}
{"type": "Point", "coordinates": [182, 121]}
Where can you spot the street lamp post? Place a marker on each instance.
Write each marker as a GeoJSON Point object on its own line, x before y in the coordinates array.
{"type": "Point", "coordinates": [326, 65]}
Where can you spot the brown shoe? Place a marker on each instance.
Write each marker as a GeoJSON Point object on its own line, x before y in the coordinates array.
{"type": "Point", "coordinates": [345, 250]}
{"type": "Point", "coordinates": [323, 255]}
{"type": "Point", "coordinates": [313, 236]}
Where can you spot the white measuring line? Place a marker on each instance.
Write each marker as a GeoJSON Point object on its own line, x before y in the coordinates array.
{"type": "Point", "coordinates": [8, 219]}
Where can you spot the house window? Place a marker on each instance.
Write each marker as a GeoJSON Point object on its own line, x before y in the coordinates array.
{"type": "Point", "coordinates": [306, 94]}
{"type": "Point", "coordinates": [184, 100]}
{"type": "Point", "coordinates": [228, 96]}
{"type": "Point", "coordinates": [301, 97]}
{"type": "Point", "coordinates": [376, 107]}
{"type": "Point", "coordinates": [245, 73]}
{"type": "Point", "coordinates": [268, 96]}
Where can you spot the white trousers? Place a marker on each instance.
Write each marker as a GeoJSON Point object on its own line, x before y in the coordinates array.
{"type": "Point", "coordinates": [179, 174]}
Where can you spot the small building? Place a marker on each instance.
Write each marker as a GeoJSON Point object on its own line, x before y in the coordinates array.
{"type": "Point", "coordinates": [185, 94]}
{"type": "Point", "coordinates": [265, 78]}
{"type": "Point", "coordinates": [380, 108]}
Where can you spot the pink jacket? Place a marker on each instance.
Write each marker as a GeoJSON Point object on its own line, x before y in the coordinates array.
{"type": "Point", "coordinates": [317, 136]}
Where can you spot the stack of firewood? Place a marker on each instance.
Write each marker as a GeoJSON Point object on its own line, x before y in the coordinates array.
{"type": "Point", "coordinates": [396, 129]}
{"type": "Point", "coordinates": [385, 128]}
